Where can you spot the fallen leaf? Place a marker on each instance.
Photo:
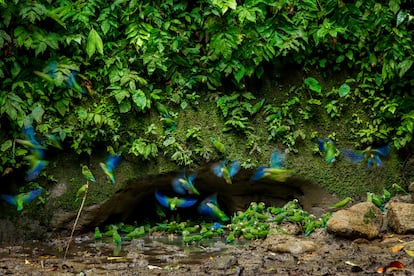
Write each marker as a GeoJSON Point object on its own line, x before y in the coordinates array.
{"type": "Point", "coordinates": [396, 248]}
{"type": "Point", "coordinates": [151, 267]}
{"type": "Point", "coordinates": [409, 252]}
{"type": "Point", "coordinates": [395, 265]}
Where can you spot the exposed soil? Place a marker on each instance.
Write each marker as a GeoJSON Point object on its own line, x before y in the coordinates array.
{"type": "Point", "coordinates": [319, 254]}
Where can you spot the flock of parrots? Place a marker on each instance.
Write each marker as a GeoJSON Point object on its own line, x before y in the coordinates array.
{"type": "Point", "coordinates": [183, 185]}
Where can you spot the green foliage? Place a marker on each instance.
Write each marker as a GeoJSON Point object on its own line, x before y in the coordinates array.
{"type": "Point", "coordinates": [129, 55]}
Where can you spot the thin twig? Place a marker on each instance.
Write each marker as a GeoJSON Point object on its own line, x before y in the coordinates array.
{"type": "Point", "coordinates": [76, 220]}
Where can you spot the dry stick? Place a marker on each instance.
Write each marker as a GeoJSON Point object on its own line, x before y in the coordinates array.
{"type": "Point", "coordinates": [76, 220]}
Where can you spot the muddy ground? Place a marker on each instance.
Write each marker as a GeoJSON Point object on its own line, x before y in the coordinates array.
{"type": "Point", "coordinates": [319, 254]}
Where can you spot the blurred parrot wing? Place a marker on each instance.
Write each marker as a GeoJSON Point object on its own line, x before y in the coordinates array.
{"type": "Point", "coordinates": [217, 169]}
{"type": "Point", "coordinates": [259, 173]}
{"type": "Point", "coordinates": [383, 151]}
{"type": "Point", "coordinates": [352, 155]}
{"type": "Point", "coordinates": [9, 199]}
{"type": "Point", "coordinates": [113, 161]}
{"type": "Point", "coordinates": [277, 159]}
{"type": "Point", "coordinates": [186, 202]}
{"type": "Point", "coordinates": [178, 186]}
{"type": "Point", "coordinates": [162, 199]}
{"type": "Point", "coordinates": [31, 195]}
{"type": "Point", "coordinates": [212, 199]}
{"type": "Point", "coordinates": [36, 169]}
{"type": "Point", "coordinates": [234, 168]}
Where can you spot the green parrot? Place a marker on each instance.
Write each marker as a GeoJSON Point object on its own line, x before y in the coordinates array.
{"type": "Point", "coordinates": [97, 234]}
{"type": "Point", "coordinates": [227, 172]}
{"type": "Point", "coordinates": [341, 203]}
{"type": "Point", "coordinates": [219, 146]}
{"type": "Point", "coordinates": [137, 233]}
{"type": "Point", "coordinates": [87, 173]}
{"type": "Point", "coordinates": [328, 148]}
{"type": "Point", "coordinates": [81, 191]}
{"type": "Point", "coordinates": [22, 198]}
{"type": "Point", "coordinates": [174, 202]}
{"type": "Point", "coordinates": [116, 238]}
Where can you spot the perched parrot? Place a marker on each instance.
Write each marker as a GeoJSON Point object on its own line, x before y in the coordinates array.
{"type": "Point", "coordinates": [398, 189]}
{"type": "Point", "coordinates": [169, 122]}
{"type": "Point", "coordinates": [87, 173]}
{"type": "Point", "coordinates": [162, 109]}
{"type": "Point", "coordinates": [174, 202]}
{"type": "Point", "coordinates": [111, 163]}
{"type": "Point", "coordinates": [184, 185]}
{"type": "Point", "coordinates": [209, 208]}
{"type": "Point", "coordinates": [275, 171]}
{"type": "Point", "coordinates": [222, 170]}
{"type": "Point", "coordinates": [81, 191]}
{"type": "Point", "coordinates": [71, 81]}
{"type": "Point", "coordinates": [138, 232]}
{"type": "Point", "coordinates": [116, 238]}
{"type": "Point", "coordinates": [219, 146]}
{"type": "Point", "coordinates": [341, 203]}
{"type": "Point", "coordinates": [258, 106]}
{"type": "Point", "coordinates": [22, 198]}
{"type": "Point", "coordinates": [97, 234]}
{"type": "Point", "coordinates": [328, 148]}
{"type": "Point", "coordinates": [369, 155]}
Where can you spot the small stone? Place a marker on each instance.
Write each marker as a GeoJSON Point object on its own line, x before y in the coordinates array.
{"type": "Point", "coordinates": [294, 247]}
{"type": "Point", "coordinates": [400, 217]}
{"type": "Point", "coordinates": [362, 220]}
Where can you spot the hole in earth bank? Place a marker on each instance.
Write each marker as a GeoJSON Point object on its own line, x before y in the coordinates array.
{"type": "Point", "coordinates": [137, 203]}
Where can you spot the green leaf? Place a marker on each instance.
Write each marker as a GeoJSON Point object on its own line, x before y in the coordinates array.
{"type": "Point", "coordinates": [404, 66]}
{"type": "Point", "coordinates": [401, 16]}
{"type": "Point", "coordinates": [6, 145]}
{"type": "Point", "coordinates": [313, 84]}
{"type": "Point", "coordinates": [94, 43]}
{"type": "Point", "coordinates": [124, 107]}
{"type": "Point", "coordinates": [239, 74]}
{"type": "Point", "coordinates": [139, 99]}
{"type": "Point", "coordinates": [344, 90]}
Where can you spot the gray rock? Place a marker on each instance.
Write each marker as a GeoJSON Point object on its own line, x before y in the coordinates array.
{"type": "Point", "coordinates": [363, 220]}
{"type": "Point", "coordinates": [400, 217]}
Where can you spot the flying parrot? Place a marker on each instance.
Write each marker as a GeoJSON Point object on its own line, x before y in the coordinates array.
{"type": "Point", "coordinates": [328, 148]}
{"type": "Point", "coordinates": [36, 166]}
{"type": "Point", "coordinates": [22, 198]}
{"type": "Point", "coordinates": [174, 202]}
{"type": "Point", "coordinates": [275, 171]}
{"type": "Point", "coordinates": [87, 173]}
{"type": "Point", "coordinates": [219, 146]}
{"type": "Point", "coordinates": [50, 74]}
{"type": "Point", "coordinates": [184, 185]}
{"type": "Point", "coordinates": [71, 81]}
{"type": "Point", "coordinates": [227, 172]}
{"type": "Point", "coordinates": [209, 208]}
{"type": "Point", "coordinates": [30, 141]}
{"type": "Point", "coordinates": [369, 155]}
{"type": "Point", "coordinates": [53, 141]}
{"type": "Point", "coordinates": [109, 166]}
